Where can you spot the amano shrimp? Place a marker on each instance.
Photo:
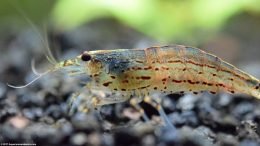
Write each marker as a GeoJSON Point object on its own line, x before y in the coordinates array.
{"type": "Point", "coordinates": [162, 69]}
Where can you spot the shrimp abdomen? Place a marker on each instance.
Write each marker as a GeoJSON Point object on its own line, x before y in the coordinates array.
{"type": "Point", "coordinates": [172, 69]}
{"type": "Point", "coordinates": [193, 69]}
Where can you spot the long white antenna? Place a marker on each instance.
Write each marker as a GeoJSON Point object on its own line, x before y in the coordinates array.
{"type": "Point", "coordinates": [35, 79]}
{"type": "Point", "coordinates": [44, 40]}
{"type": "Point", "coordinates": [33, 68]}
{"type": "Point", "coordinates": [49, 54]}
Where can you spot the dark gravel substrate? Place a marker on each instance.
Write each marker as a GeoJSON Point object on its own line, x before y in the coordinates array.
{"type": "Point", "coordinates": [40, 117]}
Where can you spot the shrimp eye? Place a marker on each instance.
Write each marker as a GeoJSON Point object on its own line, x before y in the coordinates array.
{"type": "Point", "coordinates": [85, 56]}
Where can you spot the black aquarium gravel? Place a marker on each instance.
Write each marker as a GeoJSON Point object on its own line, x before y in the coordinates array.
{"type": "Point", "coordinates": [38, 114]}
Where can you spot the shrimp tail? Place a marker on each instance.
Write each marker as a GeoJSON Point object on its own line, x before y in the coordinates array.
{"type": "Point", "coordinates": [256, 90]}
{"type": "Point", "coordinates": [250, 86]}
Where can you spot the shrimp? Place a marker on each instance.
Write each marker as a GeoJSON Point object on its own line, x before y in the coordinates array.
{"type": "Point", "coordinates": [162, 69]}
{"type": "Point", "coordinates": [166, 69]}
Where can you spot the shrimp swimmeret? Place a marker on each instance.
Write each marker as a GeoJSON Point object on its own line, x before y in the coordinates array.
{"type": "Point", "coordinates": [164, 69]}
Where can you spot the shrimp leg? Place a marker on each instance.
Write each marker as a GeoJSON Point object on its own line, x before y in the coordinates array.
{"type": "Point", "coordinates": [156, 104]}
{"type": "Point", "coordinates": [86, 100]}
{"type": "Point", "coordinates": [135, 103]}
{"type": "Point", "coordinates": [73, 102]}
{"type": "Point", "coordinates": [79, 97]}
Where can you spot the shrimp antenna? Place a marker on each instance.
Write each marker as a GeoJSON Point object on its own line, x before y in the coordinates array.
{"type": "Point", "coordinates": [49, 55]}
{"type": "Point", "coordinates": [35, 79]}
{"type": "Point", "coordinates": [34, 68]}
{"type": "Point", "coordinates": [38, 76]}
{"type": "Point", "coordinates": [44, 40]}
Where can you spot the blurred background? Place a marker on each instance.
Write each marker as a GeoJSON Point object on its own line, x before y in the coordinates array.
{"type": "Point", "coordinates": [230, 29]}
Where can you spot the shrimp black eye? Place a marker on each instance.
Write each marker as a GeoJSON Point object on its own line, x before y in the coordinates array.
{"type": "Point", "coordinates": [85, 57]}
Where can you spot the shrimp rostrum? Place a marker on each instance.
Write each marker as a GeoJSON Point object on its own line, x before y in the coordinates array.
{"type": "Point", "coordinates": [164, 69]}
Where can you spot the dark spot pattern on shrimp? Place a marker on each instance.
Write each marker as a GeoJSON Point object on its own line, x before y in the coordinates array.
{"type": "Point", "coordinates": [107, 84]}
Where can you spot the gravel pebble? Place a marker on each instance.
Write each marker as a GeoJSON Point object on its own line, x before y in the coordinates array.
{"type": "Point", "coordinates": [79, 139]}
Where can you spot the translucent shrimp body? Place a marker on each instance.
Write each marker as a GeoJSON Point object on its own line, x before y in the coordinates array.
{"type": "Point", "coordinates": [143, 72]}
{"type": "Point", "coordinates": [167, 69]}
